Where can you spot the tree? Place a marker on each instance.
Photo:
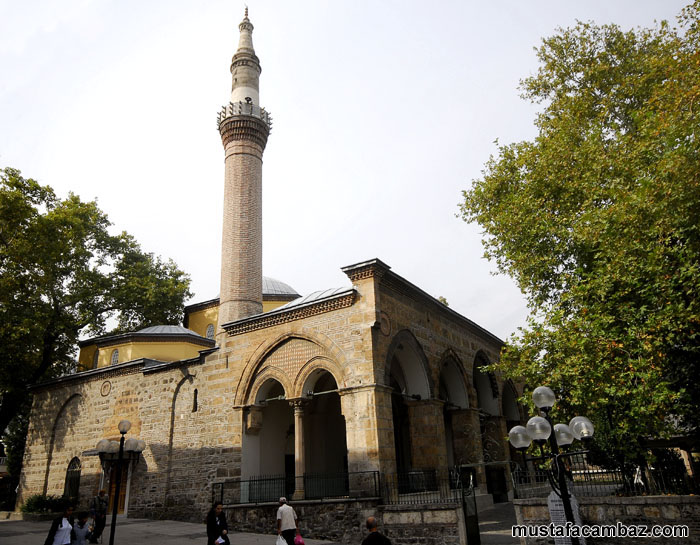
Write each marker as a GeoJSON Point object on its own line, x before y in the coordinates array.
{"type": "Point", "coordinates": [597, 219]}
{"type": "Point", "coordinates": [63, 276]}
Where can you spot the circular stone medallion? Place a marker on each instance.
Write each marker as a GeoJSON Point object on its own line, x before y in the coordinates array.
{"type": "Point", "coordinates": [106, 388]}
{"type": "Point", "coordinates": [384, 323]}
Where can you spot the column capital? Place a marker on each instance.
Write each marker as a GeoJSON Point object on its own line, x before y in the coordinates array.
{"type": "Point", "coordinates": [298, 405]}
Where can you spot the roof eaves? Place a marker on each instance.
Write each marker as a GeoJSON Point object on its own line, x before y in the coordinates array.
{"type": "Point", "coordinates": [259, 321]}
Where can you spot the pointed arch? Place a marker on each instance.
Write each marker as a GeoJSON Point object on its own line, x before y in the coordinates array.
{"type": "Point", "coordinates": [312, 370]}
{"type": "Point", "coordinates": [453, 383]}
{"type": "Point", "coordinates": [171, 431]}
{"type": "Point", "coordinates": [71, 487]}
{"type": "Point", "coordinates": [260, 383]}
{"type": "Point", "coordinates": [407, 366]}
{"type": "Point", "coordinates": [324, 348]}
{"type": "Point", "coordinates": [73, 400]}
{"type": "Point", "coordinates": [486, 386]}
{"type": "Point", "coordinates": [511, 409]}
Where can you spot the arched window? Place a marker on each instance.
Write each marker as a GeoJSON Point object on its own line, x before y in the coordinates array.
{"type": "Point", "coordinates": [72, 485]}
{"type": "Point", "coordinates": [210, 331]}
{"type": "Point", "coordinates": [95, 358]}
{"type": "Point", "coordinates": [115, 356]}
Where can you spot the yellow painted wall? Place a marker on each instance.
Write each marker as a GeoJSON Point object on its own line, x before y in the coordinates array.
{"type": "Point", "coordinates": [128, 351]}
{"type": "Point", "coordinates": [86, 357]}
{"type": "Point", "coordinates": [271, 305]}
{"type": "Point", "coordinates": [200, 319]}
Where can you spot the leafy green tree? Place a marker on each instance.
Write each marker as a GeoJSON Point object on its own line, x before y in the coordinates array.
{"type": "Point", "coordinates": [597, 219]}
{"type": "Point", "coordinates": [63, 276]}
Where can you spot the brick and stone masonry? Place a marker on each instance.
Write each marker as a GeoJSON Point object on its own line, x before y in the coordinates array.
{"type": "Point", "coordinates": [244, 129]}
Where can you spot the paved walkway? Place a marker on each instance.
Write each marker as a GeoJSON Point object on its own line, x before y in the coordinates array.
{"type": "Point", "coordinates": [137, 532]}
{"type": "Point", "coordinates": [494, 525]}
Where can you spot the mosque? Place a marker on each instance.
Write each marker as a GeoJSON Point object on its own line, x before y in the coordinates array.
{"type": "Point", "coordinates": [262, 392]}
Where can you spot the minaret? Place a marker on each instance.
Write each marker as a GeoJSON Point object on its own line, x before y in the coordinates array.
{"type": "Point", "coordinates": [244, 127]}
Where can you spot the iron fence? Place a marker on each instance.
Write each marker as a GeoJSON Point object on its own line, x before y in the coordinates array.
{"type": "Point", "coordinates": [428, 486]}
{"type": "Point", "coordinates": [269, 488]}
{"type": "Point", "coordinates": [358, 484]}
{"type": "Point", "coordinates": [585, 479]}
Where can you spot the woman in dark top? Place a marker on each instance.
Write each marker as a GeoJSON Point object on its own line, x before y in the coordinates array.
{"type": "Point", "coordinates": [216, 525]}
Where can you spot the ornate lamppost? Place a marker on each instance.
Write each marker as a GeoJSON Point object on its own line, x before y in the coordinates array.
{"type": "Point", "coordinates": [107, 448]}
{"type": "Point", "coordinates": [539, 430]}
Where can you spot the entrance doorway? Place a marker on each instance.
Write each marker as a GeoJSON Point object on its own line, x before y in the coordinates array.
{"type": "Point", "coordinates": [122, 487]}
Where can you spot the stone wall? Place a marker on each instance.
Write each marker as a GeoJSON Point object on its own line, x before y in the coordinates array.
{"type": "Point", "coordinates": [424, 524]}
{"type": "Point", "coordinates": [642, 510]}
{"type": "Point", "coordinates": [191, 446]}
{"type": "Point", "coordinates": [343, 521]}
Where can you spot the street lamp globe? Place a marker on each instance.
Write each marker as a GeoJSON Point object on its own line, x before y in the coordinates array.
{"type": "Point", "coordinates": [519, 437]}
{"type": "Point", "coordinates": [543, 398]}
{"type": "Point", "coordinates": [538, 428]}
{"type": "Point", "coordinates": [103, 446]}
{"type": "Point", "coordinates": [581, 428]}
{"type": "Point", "coordinates": [124, 426]}
{"type": "Point", "coordinates": [563, 435]}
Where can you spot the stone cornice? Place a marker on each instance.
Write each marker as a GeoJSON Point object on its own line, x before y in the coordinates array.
{"type": "Point", "coordinates": [204, 305]}
{"type": "Point", "coordinates": [141, 365]}
{"type": "Point", "coordinates": [285, 315]}
{"type": "Point", "coordinates": [366, 269]}
{"type": "Point", "coordinates": [102, 373]}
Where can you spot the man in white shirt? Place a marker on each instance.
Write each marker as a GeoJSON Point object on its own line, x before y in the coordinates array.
{"type": "Point", "coordinates": [287, 523]}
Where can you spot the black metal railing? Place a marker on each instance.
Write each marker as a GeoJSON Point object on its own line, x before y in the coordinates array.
{"type": "Point", "coordinates": [260, 489]}
{"type": "Point", "coordinates": [427, 486]}
{"type": "Point", "coordinates": [588, 480]}
{"type": "Point", "coordinates": [269, 488]}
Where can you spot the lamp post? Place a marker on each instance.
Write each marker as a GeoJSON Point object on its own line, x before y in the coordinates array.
{"type": "Point", "coordinates": [106, 448]}
{"type": "Point", "coordinates": [539, 430]}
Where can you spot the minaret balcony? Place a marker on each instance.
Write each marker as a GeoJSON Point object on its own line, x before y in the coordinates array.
{"type": "Point", "coordinates": [236, 109]}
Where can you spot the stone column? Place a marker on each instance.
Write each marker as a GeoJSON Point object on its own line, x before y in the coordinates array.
{"type": "Point", "coordinates": [427, 427]}
{"type": "Point", "coordinates": [299, 460]}
{"type": "Point", "coordinates": [365, 418]}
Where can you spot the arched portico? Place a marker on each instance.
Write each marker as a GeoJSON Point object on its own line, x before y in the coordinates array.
{"type": "Point", "coordinates": [325, 444]}
{"type": "Point", "coordinates": [513, 416]}
{"type": "Point", "coordinates": [416, 445]}
{"type": "Point", "coordinates": [268, 443]}
{"type": "Point", "coordinates": [456, 413]}
{"type": "Point", "coordinates": [293, 422]}
{"type": "Point", "coordinates": [492, 429]}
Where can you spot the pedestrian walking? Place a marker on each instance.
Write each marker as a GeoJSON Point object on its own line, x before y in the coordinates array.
{"type": "Point", "coordinates": [217, 528]}
{"type": "Point", "coordinates": [287, 522]}
{"type": "Point", "coordinates": [81, 530]}
{"type": "Point", "coordinates": [98, 512]}
{"type": "Point", "coordinates": [374, 537]}
{"type": "Point", "coordinates": [61, 527]}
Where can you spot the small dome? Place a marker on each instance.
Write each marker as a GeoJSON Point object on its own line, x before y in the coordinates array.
{"type": "Point", "coordinates": [272, 286]}
{"type": "Point", "coordinates": [166, 330]}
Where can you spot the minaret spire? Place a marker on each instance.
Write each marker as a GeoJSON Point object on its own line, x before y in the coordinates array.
{"type": "Point", "coordinates": [244, 127]}
{"type": "Point", "coordinates": [245, 66]}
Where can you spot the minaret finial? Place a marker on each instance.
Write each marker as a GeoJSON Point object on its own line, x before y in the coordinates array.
{"type": "Point", "coordinates": [246, 11]}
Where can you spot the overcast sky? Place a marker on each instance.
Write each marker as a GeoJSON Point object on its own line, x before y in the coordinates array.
{"type": "Point", "coordinates": [383, 112]}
